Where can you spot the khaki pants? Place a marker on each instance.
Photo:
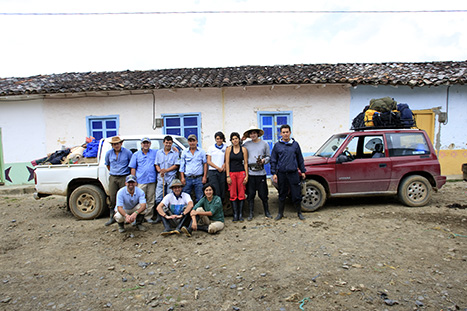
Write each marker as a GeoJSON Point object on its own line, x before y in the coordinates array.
{"type": "Point", "coordinates": [213, 226]}
{"type": "Point", "coordinates": [115, 184]}
{"type": "Point", "coordinates": [150, 193]}
{"type": "Point", "coordinates": [119, 217]}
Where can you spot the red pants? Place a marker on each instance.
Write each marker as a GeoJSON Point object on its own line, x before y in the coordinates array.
{"type": "Point", "coordinates": [237, 188]}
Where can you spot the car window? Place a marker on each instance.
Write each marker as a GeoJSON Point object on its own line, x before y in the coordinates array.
{"type": "Point", "coordinates": [330, 147]}
{"type": "Point", "coordinates": [371, 146]}
{"type": "Point", "coordinates": [407, 144]}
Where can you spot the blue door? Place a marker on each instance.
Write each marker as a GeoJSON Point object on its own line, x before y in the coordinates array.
{"type": "Point", "coordinates": [270, 123]}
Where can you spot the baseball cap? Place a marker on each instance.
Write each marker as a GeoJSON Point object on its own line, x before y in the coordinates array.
{"type": "Point", "coordinates": [130, 178]}
{"type": "Point", "coordinates": [192, 136]}
{"type": "Point", "coordinates": [145, 139]}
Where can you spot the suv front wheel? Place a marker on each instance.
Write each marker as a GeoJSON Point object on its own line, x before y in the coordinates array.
{"type": "Point", "coordinates": [315, 196]}
{"type": "Point", "coordinates": [415, 191]}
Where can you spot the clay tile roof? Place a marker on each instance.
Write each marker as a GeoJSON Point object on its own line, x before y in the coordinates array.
{"type": "Point", "coordinates": [410, 74]}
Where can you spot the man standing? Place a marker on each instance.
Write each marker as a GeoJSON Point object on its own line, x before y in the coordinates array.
{"type": "Point", "coordinates": [286, 157]}
{"type": "Point", "coordinates": [167, 164]}
{"type": "Point", "coordinates": [193, 168]}
{"type": "Point", "coordinates": [116, 161]}
{"type": "Point", "coordinates": [258, 155]}
{"type": "Point", "coordinates": [131, 205]}
{"type": "Point", "coordinates": [142, 166]}
{"type": "Point", "coordinates": [175, 210]}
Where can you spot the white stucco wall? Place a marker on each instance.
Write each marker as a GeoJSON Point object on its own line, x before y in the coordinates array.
{"type": "Point", "coordinates": [23, 130]}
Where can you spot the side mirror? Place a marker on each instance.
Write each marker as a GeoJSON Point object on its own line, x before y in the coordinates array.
{"type": "Point", "coordinates": [342, 158]}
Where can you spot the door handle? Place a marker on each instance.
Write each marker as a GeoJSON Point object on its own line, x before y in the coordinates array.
{"type": "Point", "coordinates": [382, 165]}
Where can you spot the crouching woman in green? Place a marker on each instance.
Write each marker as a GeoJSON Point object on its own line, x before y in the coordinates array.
{"type": "Point", "coordinates": [208, 214]}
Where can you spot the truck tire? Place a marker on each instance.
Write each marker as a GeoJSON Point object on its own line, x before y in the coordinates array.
{"type": "Point", "coordinates": [415, 191]}
{"type": "Point", "coordinates": [87, 202]}
{"type": "Point", "coordinates": [315, 196]}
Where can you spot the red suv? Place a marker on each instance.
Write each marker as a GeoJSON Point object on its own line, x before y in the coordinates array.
{"type": "Point", "coordinates": [373, 162]}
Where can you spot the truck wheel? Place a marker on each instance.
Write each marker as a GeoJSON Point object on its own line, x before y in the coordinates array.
{"type": "Point", "coordinates": [315, 196]}
{"type": "Point", "coordinates": [87, 202]}
{"type": "Point", "coordinates": [415, 191]}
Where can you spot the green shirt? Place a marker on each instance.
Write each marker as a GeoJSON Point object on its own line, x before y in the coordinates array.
{"type": "Point", "coordinates": [215, 207]}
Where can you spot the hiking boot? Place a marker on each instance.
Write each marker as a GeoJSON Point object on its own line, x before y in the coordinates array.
{"type": "Point", "coordinates": [166, 232]}
{"type": "Point", "coordinates": [139, 223]}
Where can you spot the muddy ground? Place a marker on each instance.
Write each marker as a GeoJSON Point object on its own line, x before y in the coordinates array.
{"type": "Point", "coordinates": [353, 254]}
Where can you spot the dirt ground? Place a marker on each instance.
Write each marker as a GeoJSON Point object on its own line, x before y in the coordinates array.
{"type": "Point", "coordinates": [357, 254]}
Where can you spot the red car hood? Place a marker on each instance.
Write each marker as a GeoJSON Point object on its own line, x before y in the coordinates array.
{"type": "Point", "coordinates": [310, 161]}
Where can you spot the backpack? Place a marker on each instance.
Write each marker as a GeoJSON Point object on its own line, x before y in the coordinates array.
{"type": "Point", "coordinates": [369, 117]}
{"type": "Point", "coordinates": [383, 104]}
{"type": "Point", "coordinates": [387, 119]}
{"type": "Point", "coordinates": [407, 119]}
{"type": "Point", "coordinates": [359, 121]}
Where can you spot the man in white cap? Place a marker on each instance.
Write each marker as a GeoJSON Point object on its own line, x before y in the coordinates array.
{"type": "Point", "coordinates": [142, 166]}
{"type": "Point", "coordinates": [175, 210]}
{"type": "Point", "coordinates": [116, 161]}
{"type": "Point", "coordinates": [131, 205]}
{"type": "Point", "coordinates": [258, 155]}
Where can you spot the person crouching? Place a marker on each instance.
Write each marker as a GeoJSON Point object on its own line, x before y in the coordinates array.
{"type": "Point", "coordinates": [175, 210]}
{"type": "Point", "coordinates": [131, 205]}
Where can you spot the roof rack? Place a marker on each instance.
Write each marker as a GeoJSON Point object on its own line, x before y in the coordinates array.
{"type": "Point", "coordinates": [371, 128]}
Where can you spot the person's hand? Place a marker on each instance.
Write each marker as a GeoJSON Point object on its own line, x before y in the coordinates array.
{"type": "Point", "coordinates": [128, 219]}
{"type": "Point", "coordinates": [303, 176]}
{"type": "Point", "coordinates": [229, 180]}
{"type": "Point", "coordinates": [183, 181]}
{"type": "Point", "coordinates": [245, 180]}
{"type": "Point", "coordinates": [193, 213]}
{"type": "Point", "coordinates": [204, 180]}
{"type": "Point", "coordinates": [194, 226]}
{"type": "Point", "coordinates": [274, 178]}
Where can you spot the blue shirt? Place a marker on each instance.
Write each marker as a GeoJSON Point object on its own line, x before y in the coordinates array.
{"type": "Point", "coordinates": [192, 164]}
{"type": "Point", "coordinates": [128, 201]}
{"type": "Point", "coordinates": [144, 165]}
{"type": "Point", "coordinates": [286, 157]}
{"type": "Point", "coordinates": [118, 165]}
{"type": "Point", "coordinates": [165, 161]}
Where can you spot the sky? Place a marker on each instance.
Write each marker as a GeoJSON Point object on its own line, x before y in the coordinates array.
{"type": "Point", "coordinates": [52, 44]}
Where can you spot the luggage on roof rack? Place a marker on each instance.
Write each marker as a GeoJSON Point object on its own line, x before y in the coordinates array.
{"type": "Point", "coordinates": [384, 113]}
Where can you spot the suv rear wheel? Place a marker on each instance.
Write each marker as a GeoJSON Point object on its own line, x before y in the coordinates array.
{"type": "Point", "coordinates": [315, 196]}
{"type": "Point", "coordinates": [415, 191]}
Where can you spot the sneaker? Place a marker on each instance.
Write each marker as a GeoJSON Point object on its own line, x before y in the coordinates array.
{"type": "Point", "coordinates": [166, 233]}
{"type": "Point", "coordinates": [176, 231]}
{"type": "Point", "coordinates": [186, 231]}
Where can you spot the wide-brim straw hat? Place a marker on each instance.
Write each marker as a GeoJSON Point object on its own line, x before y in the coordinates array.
{"type": "Point", "coordinates": [253, 128]}
{"type": "Point", "coordinates": [116, 140]}
{"type": "Point", "coordinates": [175, 182]}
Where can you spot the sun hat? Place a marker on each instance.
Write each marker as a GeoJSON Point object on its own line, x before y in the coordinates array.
{"type": "Point", "coordinates": [116, 140]}
{"type": "Point", "coordinates": [175, 182]}
{"type": "Point", "coordinates": [251, 129]}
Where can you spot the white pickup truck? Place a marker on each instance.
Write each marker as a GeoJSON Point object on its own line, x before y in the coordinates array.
{"type": "Point", "coordinates": [86, 185]}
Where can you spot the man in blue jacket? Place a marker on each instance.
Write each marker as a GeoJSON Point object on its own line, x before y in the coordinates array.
{"type": "Point", "coordinates": [286, 159]}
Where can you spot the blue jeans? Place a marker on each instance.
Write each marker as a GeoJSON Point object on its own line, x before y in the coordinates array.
{"type": "Point", "coordinates": [197, 184]}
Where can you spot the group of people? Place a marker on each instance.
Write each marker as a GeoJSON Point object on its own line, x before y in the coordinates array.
{"type": "Point", "coordinates": [144, 186]}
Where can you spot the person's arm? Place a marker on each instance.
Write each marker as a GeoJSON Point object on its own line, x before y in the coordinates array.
{"type": "Point", "coordinates": [245, 164]}
{"type": "Point", "coordinates": [122, 212]}
{"type": "Point", "coordinates": [133, 172]}
{"type": "Point", "coordinates": [137, 212]}
{"type": "Point", "coordinates": [301, 161]}
{"type": "Point", "coordinates": [273, 163]}
{"type": "Point", "coordinates": [267, 154]}
{"type": "Point", "coordinates": [205, 173]}
{"type": "Point", "coordinates": [227, 165]}
{"type": "Point", "coordinates": [209, 160]}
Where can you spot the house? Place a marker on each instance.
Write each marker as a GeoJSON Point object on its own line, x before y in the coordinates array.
{"type": "Point", "coordinates": [41, 114]}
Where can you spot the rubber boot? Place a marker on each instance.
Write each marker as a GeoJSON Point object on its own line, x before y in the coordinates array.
{"type": "Point", "coordinates": [139, 222]}
{"type": "Point", "coordinates": [112, 219]}
{"type": "Point", "coordinates": [235, 210]}
{"type": "Point", "coordinates": [298, 207]}
{"type": "Point", "coordinates": [281, 210]}
{"type": "Point", "coordinates": [121, 227]}
{"type": "Point", "coordinates": [266, 209]}
{"type": "Point", "coordinates": [251, 207]}
{"type": "Point", "coordinates": [240, 210]}
{"type": "Point", "coordinates": [158, 218]}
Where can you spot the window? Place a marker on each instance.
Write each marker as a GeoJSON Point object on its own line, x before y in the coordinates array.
{"type": "Point", "coordinates": [102, 126]}
{"type": "Point", "coordinates": [182, 124]}
{"type": "Point", "coordinates": [364, 147]}
{"type": "Point", "coordinates": [270, 123]}
{"type": "Point", "coordinates": [407, 144]}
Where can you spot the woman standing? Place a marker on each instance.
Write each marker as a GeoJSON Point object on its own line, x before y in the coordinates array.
{"type": "Point", "coordinates": [236, 168]}
{"type": "Point", "coordinates": [216, 162]}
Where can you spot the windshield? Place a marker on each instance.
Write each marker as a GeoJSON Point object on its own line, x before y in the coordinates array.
{"type": "Point", "coordinates": [330, 147]}
{"type": "Point", "coordinates": [183, 141]}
